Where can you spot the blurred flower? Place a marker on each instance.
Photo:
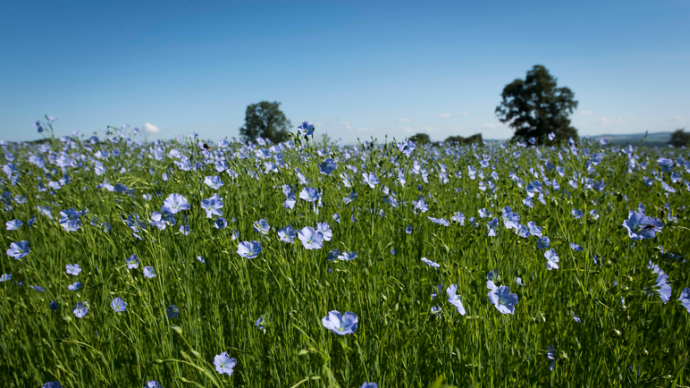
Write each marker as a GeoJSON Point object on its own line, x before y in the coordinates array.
{"type": "Point", "coordinates": [212, 206]}
{"type": "Point", "coordinates": [640, 226]}
{"type": "Point", "coordinates": [311, 239]}
{"type": "Point", "coordinates": [340, 324]}
{"type": "Point", "coordinates": [118, 305]}
{"type": "Point", "coordinates": [149, 272]}
{"type": "Point", "coordinates": [172, 312]}
{"type": "Point", "coordinates": [503, 300]}
{"type": "Point", "coordinates": [13, 225]}
{"type": "Point", "coordinates": [224, 363]}
{"type": "Point", "coordinates": [213, 182]}
{"type": "Point", "coordinates": [249, 249]}
{"type": "Point", "coordinates": [552, 259]}
{"type": "Point", "coordinates": [72, 269]}
{"type": "Point", "coordinates": [81, 310]}
{"type": "Point", "coordinates": [175, 203]}
{"type": "Point", "coordinates": [74, 286]}
{"type": "Point", "coordinates": [262, 226]}
{"type": "Point", "coordinates": [18, 249]}
{"type": "Point", "coordinates": [455, 299]}
{"type": "Point", "coordinates": [543, 243]}
{"type": "Point", "coordinates": [430, 263]}
{"type": "Point", "coordinates": [133, 262]}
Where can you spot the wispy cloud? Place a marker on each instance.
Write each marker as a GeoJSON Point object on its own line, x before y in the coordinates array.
{"type": "Point", "coordinates": [586, 112]}
{"type": "Point", "coordinates": [607, 122]}
{"type": "Point", "coordinates": [347, 125]}
{"type": "Point", "coordinates": [408, 129]}
{"type": "Point", "coordinates": [150, 128]}
{"type": "Point", "coordinates": [404, 120]}
{"type": "Point", "coordinates": [365, 130]}
{"type": "Point", "coordinates": [428, 129]}
{"type": "Point", "coordinates": [464, 113]}
{"type": "Point", "coordinates": [489, 126]}
{"type": "Point", "coordinates": [444, 115]}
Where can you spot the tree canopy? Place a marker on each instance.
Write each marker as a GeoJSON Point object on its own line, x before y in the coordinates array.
{"type": "Point", "coordinates": [265, 119]}
{"type": "Point", "coordinates": [679, 138]}
{"type": "Point", "coordinates": [535, 107]}
{"type": "Point", "coordinates": [420, 138]}
{"type": "Point", "coordinates": [476, 138]}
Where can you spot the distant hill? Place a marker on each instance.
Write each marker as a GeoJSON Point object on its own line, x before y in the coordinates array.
{"type": "Point", "coordinates": [653, 139]}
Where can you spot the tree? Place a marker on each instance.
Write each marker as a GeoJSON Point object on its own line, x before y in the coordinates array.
{"type": "Point", "coordinates": [420, 138]}
{"type": "Point", "coordinates": [535, 107]}
{"type": "Point", "coordinates": [266, 120]}
{"type": "Point", "coordinates": [679, 138]}
{"type": "Point", "coordinates": [476, 138]}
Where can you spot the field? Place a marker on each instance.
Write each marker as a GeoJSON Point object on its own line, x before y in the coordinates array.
{"type": "Point", "coordinates": [135, 264]}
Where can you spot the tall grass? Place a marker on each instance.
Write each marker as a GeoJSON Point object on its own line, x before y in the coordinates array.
{"type": "Point", "coordinates": [627, 336]}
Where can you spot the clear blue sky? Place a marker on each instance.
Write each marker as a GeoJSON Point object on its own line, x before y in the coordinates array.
{"type": "Point", "coordinates": [356, 69]}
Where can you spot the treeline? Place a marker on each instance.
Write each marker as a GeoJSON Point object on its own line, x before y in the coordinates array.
{"type": "Point", "coordinates": [423, 138]}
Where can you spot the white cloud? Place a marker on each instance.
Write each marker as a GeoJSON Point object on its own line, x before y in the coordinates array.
{"type": "Point", "coordinates": [607, 122]}
{"type": "Point", "coordinates": [586, 112]}
{"type": "Point", "coordinates": [317, 124]}
{"type": "Point", "coordinates": [365, 130]}
{"type": "Point", "coordinates": [428, 129]}
{"type": "Point", "coordinates": [444, 115]}
{"type": "Point", "coordinates": [404, 120]}
{"type": "Point", "coordinates": [347, 125]}
{"type": "Point", "coordinates": [489, 126]}
{"type": "Point", "coordinates": [408, 129]}
{"type": "Point", "coordinates": [464, 113]}
{"type": "Point", "coordinates": [150, 128]}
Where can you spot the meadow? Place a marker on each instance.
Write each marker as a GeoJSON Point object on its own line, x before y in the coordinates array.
{"type": "Point", "coordinates": [315, 264]}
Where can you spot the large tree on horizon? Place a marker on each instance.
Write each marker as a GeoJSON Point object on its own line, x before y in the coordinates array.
{"type": "Point", "coordinates": [535, 107]}
{"type": "Point", "coordinates": [265, 119]}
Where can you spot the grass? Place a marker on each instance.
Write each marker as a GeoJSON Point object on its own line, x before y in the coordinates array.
{"type": "Point", "coordinates": [642, 342]}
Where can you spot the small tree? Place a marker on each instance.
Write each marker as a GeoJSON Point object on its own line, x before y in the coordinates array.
{"type": "Point", "coordinates": [420, 138]}
{"type": "Point", "coordinates": [476, 138]}
{"type": "Point", "coordinates": [535, 107]}
{"type": "Point", "coordinates": [679, 138]}
{"type": "Point", "coordinates": [266, 120]}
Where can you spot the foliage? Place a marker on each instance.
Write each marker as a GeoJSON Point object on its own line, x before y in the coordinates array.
{"type": "Point", "coordinates": [170, 296]}
{"type": "Point", "coordinates": [476, 138]}
{"type": "Point", "coordinates": [679, 138]}
{"type": "Point", "coordinates": [266, 120]}
{"type": "Point", "coordinates": [535, 107]}
{"type": "Point", "coordinates": [421, 138]}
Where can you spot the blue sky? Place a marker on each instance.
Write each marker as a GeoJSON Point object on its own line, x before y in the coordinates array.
{"type": "Point", "coordinates": [356, 69]}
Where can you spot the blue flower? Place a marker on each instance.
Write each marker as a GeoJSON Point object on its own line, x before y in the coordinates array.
{"type": "Point", "coordinates": [347, 256]}
{"type": "Point", "coordinates": [153, 384]}
{"type": "Point", "coordinates": [576, 213]}
{"type": "Point", "coordinates": [311, 239]}
{"type": "Point", "coordinates": [309, 194]}
{"type": "Point", "coordinates": [287, 234]}
{"type": "Point", "coordinates": [662, 287]}
{"type": "Point", "coordinates": [74, 286]}
{"type": "Point", "coordinates": [576, 318]}
{"type": "Point", "coordinates": [5, 277]}
{"type": "Point", "coordinates": [18, 249]}
{"type": "Point", "coordinates": [328, 166]}
{"type": "Point", "coordinates": [201, 259]}
{"type": "Point", "coordinates": [220, 223]}
{"type": "Point", "coordinates": [552, 259]}
{"type": "Point", "coordinates": [430, 263]}
{"type": "Point", "coordinates": [369, 385]}
{"type": "Point", "coordinates": [133, 262]}
{"type": "Point", "coordinates": [69, 219]}
{"type": "Point", "coordinates": [213, 182]}
{"type": "Point", "coordinates": [306, 129]}
{"type": "Point", "coordinates": [454, 299]}
{"type": "Point", "coordinates": [38, 288]}
{"type": "Point", "coordinates": [684, 298]}
{"type": "Point", "coordinates": [534, 229]}
{"type": "Point", "coordinates": [408, 229]}
{"type": "Point", "coordinates": [51, 384]}
{"type": "Point", "coordinates": [72, 269]}
{"type": "Point", "coordinates": [290, 201]}
{"type": "Point", "coordinates": [259, 323]}
{"type": "Point", "coordinates": [440, 221]}
{"type": "Point", "coordinates": [640, 226]}
{"type": "Point", "coordinates": [13, 225]}
{"type": "Point", "coordinates": [249, 249]}
{"type": "Point", "coordinates": [543, 243]}
{"type": "Point", "coordinates": [503, 300]}
{"type": "Point", "coordinates": [224, 363]}
{"type": "Point", "coordinates": [118, 305]}
{"type": "Point", "coordinates": [212, 206]}
{"type": "Point", "coordinates": [53, 305]}
{"type": "Point", "coordinates": [325, 230]}
{"type": "Point", "coordinates": [149, 272]}
{"type": "Point", "coordinates": [340, 324]}
{"type": "Point", "coordinates": [371, 179]}
{"type": "Point", "coordinates": [172, 312]}
{"type": "Point", "coordinates": [336, 217]}
{"type": "Point", "coordinates": [81, 310]}
{"type": "Point", "coordinates": [262, 226]}
{"type": "Point", "coordinates": [459, 218]}
{"type": "Point", "coordinates": [576, 247]}
{"type": "Point", "coordinates": [175, 203]}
